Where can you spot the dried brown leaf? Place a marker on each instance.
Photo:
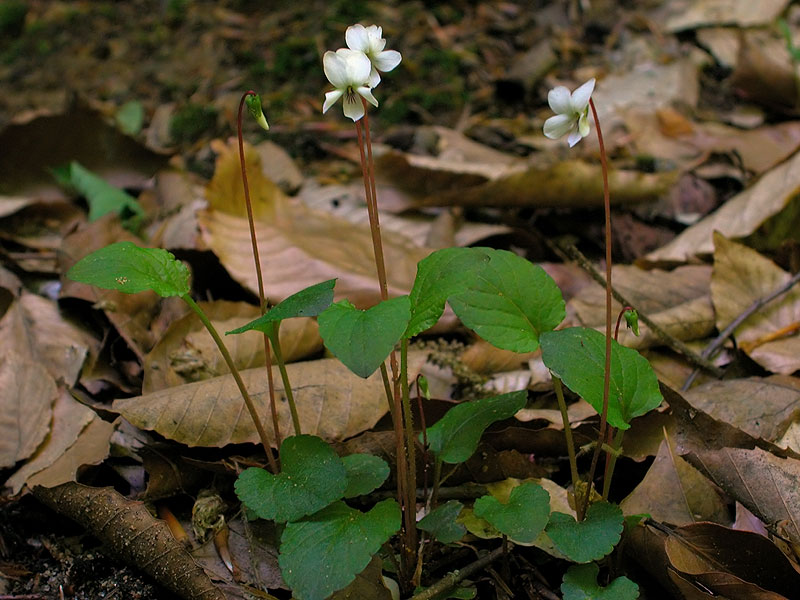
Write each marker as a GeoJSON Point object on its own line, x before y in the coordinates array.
{"type": "Point", "coordinates": [332, 403]}
{"type": "Point", "coordinates": [26, 402]}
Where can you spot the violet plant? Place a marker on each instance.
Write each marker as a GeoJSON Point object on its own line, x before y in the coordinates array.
{"type": "Point", "coordinates": [505, 299]}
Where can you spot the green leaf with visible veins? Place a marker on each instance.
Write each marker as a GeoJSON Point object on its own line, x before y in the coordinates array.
{"type": "Point", "coordinates": [364, 474]}
{"type": "Point", "coordinates": [312, 476]}
{"type": "Point", "coordinates": [362, 339]}
{"type": "Point", "coordinates": [324, 552]}
{"type": "Point", "coordinates": [523, 517]}
{"type": "Point", "coordinates": [439, 275]}
{"type": "Point", "coordinates": [441, 522]}
{"type": "Point", "coordinates": [580, 583]}
{"type": "Point", "coordinates": [510, 302]}
{"type": "Point", "coordinates": [590, 539]}
{"type": "Point", "coordinates": [455, 436]}
{"type": "Point", "coordinates": [306, 303]}
{"type": "Point", "coordinates": [577, 356]}
{"type": "Point", "coordinates": [126, 267]}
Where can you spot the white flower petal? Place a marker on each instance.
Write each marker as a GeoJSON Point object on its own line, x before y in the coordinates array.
{"type": "Point", "coordinates": [331, 98]}
{"type": "Point", "coordinates": [335, 68]}
{"type": "Point", "coordinates": [558, 126]}
{"type": "Point", "coordinates": [583, 124]}
{"type": "Point", "coordinates": [574, 138]}
{"type": "Point", "coordinates": [358, 66]}
{"type": "Point", "coordinates": [357, 38]}
{"type": "Point", "coordinates": [353, 107]}
{"type": "Point", "coordinates": [559, 100]}
{"type": "Point", "coordinates": [387, 60]}
{"type": "Point", "coordinates": [580, 97]}
{"type": "Point", "coordinates": [374, 78]}
{"type": "Point", "coordinates": [366, 93]}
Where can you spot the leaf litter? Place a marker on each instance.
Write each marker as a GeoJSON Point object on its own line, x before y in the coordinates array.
{"type": "Point", "coordinates": [694, 140]}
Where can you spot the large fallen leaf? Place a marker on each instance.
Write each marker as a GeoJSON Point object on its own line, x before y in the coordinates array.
{"type": "Point", "coordinates": [730, 563]}
{"type": "Point", "coordinates": [35, 327]}
{"type": "Point", "coordinates": [298, 247]}
{"type": "Point", "coordinates": [763, 407]}
{"type": "Point", "coordinates": [131, 533]}
{"type": "Point", "coordinates": [767, 485]}
{"type": "Point", "coordinates": [771, 203]}
{"type": "Point", "coordinates": [78, 437]}
{"type": "Point", "coordinates": [742, 276]}
{"type": "Point", "coordinates": [678, 301]}
{"type": "Point", "coordinates": [332, 403]}
{"type": "Point", "coordinates": [27, 394]}
{"type": "Point", "coordinates": [765, 72]}
{"type": "Point", "coordinates": [675, 492]}
{"type": "Point", "coordinates": [186, 352]}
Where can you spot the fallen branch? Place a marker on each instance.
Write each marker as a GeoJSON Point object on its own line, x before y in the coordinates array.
{"type": "Point", "coordinates": [452, 579]}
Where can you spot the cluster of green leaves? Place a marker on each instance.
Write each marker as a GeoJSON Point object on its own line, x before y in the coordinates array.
{"type": "Point", "coordinates": [505, 299]}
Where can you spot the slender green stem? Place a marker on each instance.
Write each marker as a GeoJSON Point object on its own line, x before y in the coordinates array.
{"type": "Point", "coordinates": [562, 405]}
{"type": "Point", "coordinates": [437, 475]}
{"type": "Point", "coordinates": [261, 298]}
{"type": "Point", "coordinates": [234, 371]}
{"type": "Point", "coordinates": [611, 461]}
{"type": "Point", "coordinates": [581, 512]}
{"type": "Point", "coordinates": [287, 386]}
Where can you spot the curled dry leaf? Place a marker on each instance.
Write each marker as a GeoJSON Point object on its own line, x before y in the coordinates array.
{"type": "Point", "coordinates": [742, 276]}
{"type": "Point", "coordinates": [186, 352]}
{"type": "Point", "coordinates": [35, 327]}
{"type": "Point", "coordinates": [748, 211]}
{"type": "Point", "coordinates": [133, 535]}
{"type": "Point", "coordinates": [332, 403]}
{"type": "Point", "coordinates": [27, 394]}
{"type": "Point", "coordinates": [77, 437]}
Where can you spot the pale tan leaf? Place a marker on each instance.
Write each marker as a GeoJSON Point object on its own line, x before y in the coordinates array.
{"type": "Point", "coordinates": [186, 352]}
{"type": "Point", "coordinates": [675, 492]}
{"type": "Point", "coordinates": [70, 418]}
{"type": "Point", "coordinates": [35, 327]}
{"type": "Point", "coordinates": [678, 301]}
{"type": "Point", "coordinates": [332, 402]}
{"type": "Point", "coordinates": [761, 407]}
{"type": "Point", "coordinates": [27, 394]}
{"type": "Point", "coordinates": [742, 276]}
{"type": "Point", "coordinates": [740, 216]}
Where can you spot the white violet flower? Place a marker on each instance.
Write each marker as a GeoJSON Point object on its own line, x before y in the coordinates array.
{"type": "Point", "coordinates": [572, 113]}
{"type": "Point", "coordinates": [369, 41]}
{"type": "Point", "coordinates": [348, 71]}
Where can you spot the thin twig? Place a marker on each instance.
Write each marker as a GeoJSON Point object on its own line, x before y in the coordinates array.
{"type": "Point", "coordinates": [575, 255]}
{"type": "Point", "coordinates": [452, 579]}
{"type": "Point", "coordinates": [718, 341]}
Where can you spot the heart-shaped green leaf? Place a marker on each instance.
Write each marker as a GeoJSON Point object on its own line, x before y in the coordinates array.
{"type": "Point", "coordinates": [325, 551]}
{"type": "Point", "coordinates": [312, 477]}
{"type": "Point", "coordinates": [441, 522]}
{"type": "Point", "coordinates": [364, 474]}
{"type": "Point", "coordinates": [525, 515]}
{"type": "Point", "coordinates": [577, 356]}
{"type": "Point", "coordinates": [510, 302]}
{"type": "Point", "coordinates": [362, 339]}
{"type": "Point", "coordinates": [126, 267]}
{"type": "Point", "coordinates": [101, 196]}
{"type": "Point", "coordinates": [305, 303]}
{"type": "Point", "coordinates": [440, 275]}
{"type": "Point", "coordinates": [455, 436]}
{"type": "Point", "coordinates": [592, 538]}
{"type": "Point", "coordinates": [580, 583]}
